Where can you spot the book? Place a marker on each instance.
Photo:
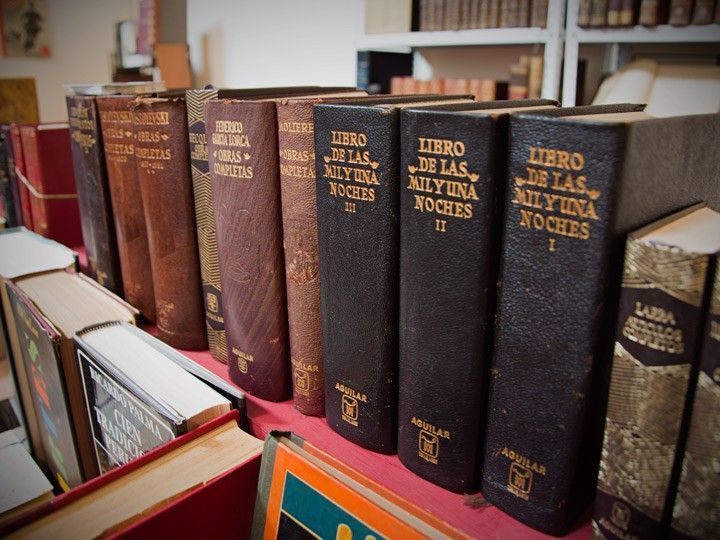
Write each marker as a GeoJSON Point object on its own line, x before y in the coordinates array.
{"type": "Point", "coordinates": [453, 165]}
{"type": "Point", "coordinates": [579, 180]}
{"type": "Point", "coordinates": [163, 167]}
{"type": "Point", "coordinates": [131, 407]}
{"type": "Point", "coordinates": [538, 16]}
{"type": "Point", "coordinates": [493, 19]}
{"type": "Point", "coordinates": [357, 168]}
{"type": "Point", "coordinates": [633, 83]}
{"type": "Point", "coordinates": [47, 310]}
{"type": "Point", "coordinates": [302, 491]}
{"type": "Point", "coordinates": [203, 473]}
{"type": "Point", "coordinates": [8, 203]}
{"type": "Point", "coordinates": [451, 15]}
{"type": "Point", "coordinates": [695, 510]}
{"type": "Point", "coordinates": [649, 13]}
{"type": "Point", "coordinates": [18, 101]}
{"type": "Point", "coordinates": [680, 12]}
{"type": "Point", "coordinates": [598, 13]}
{"type": "Point", "coordinates": [519, 80]}
{"type": "Point", "coordinates": [118, 139]}
{"type": "Point", "coordinates": [613, 12]}
{"type": "Point", "coordinates": [7, 141]}
{"type": "Point", "coordinates": [684, 89]}
{"type": "Point", "coordinates": [50, 181]}
{"type": "Point", "coordinates": [659, 334]}
{"type": "Point", "coordinates": [583, 19]}
{"type": "Point", "coordinates": [24, 484]}
{"type": "Point", "coordinates": [535, 76]}
{"type": "Point", "coordinates": [628, 12]}
{"type": "Point", "coordinates": [509, 13]}
{"type": "Point", "coordinates": [24, 193]}
{"type": "Point", "coordinates": [96, 221]}
{"type": "Point", "coordinates": [523, 18]}
{"type": "Point", "coordinates": [25, 253]}
{"type": "Point", "coordinates": [703, 12]}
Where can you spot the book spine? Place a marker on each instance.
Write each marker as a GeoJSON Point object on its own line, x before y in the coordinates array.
{"type": "Point", "coordinates": [717, 13]}
{"type": "Point", "coordinates": [657, 342]}
{"type": "Point", "coordinates": [584, 13]}
{"type": "Point", "coordinates": [296, 148]}
{"type": "Point", "coordinates": [649, 13]}
{"type": "Point", "coordinates": [680, 12]}
{"type": "Point", "coordinates": [116, 123]}
{"type": "Point", "coordinates": [205, 220]}
{"type": "Point", "coordinates": [628, 12]}
{"type": "Point", "coordinates": [19, 156]}
{"type": "Point", "coordinates": [695, 511]}
{"type": "Point", "coordinates": [425, 15]}
{"type": "Point", "coordinates": [96, 221]}
{"type": "Point", "coordinates": [451, 19]}
{"type": "Point", "coordinates": [6, 195]}
{"type": "Point", "coordinates": [243, 159]}
{"type": "Point", "coordinates": [523, 18]}
{"type": "Point", "coordinates": [448, 243]}
{"type": "Point", "coordinates": [508, 16]}
{"type": "Point", "coordinates": [539, 13]}
{"type": "Point", "coordinates": [357, 162]}
{"type": "Point", "coordinates": [518, 88]}
{"type": "Point", "coordinates": [599, 13]}
{"type": "Point", "coordinates": [163, 167]}
{"type": "Point", "coordinates": [540, 456]}
{"type": "Point", "coordinates": [438, 15]}
{"type": "Point", "coordinates": [12, 176]}
{"type": "Point", "coordinates": [483, 14]}
{"type": "Point", "coordinates": [613, 12]}
{"type": "Point", "coordinates": [703, 12]}
{"type": "Point", "coordinates": [535, 76]}
{"type": "Point", "coordinates": [493, 14]}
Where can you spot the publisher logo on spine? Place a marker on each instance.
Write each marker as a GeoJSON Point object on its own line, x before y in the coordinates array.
{"type": "Point", "coordinates": [302, 382]}
{"type": "Point", "coordinates": [429, 446]}
{"type": "Point", "coordinates": [520, 481]}
{"type": "Point", "coordinates": [350, 410]}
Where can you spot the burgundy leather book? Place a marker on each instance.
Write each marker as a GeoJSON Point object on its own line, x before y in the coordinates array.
{"type": "Point", "coordinates": [50, 182]}
{"type": "Point", "coordinates": [23, 192]}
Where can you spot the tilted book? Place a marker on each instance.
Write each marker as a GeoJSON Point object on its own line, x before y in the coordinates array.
{"type": "Point", "coordinates": [98, 230]}
{"type": "Point", "coordinates": [659, 334]}
{"type": "Point", "coordinates": [453, 165]}
{"type": "Point", "coordinates": [579, 180]}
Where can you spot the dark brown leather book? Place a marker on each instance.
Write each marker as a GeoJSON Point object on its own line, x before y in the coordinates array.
{"type": "Point", "coordinates": [717, 13]}
{"type": "Point", "coordinates": [663, 305]}
{"type": "Point", "coordinates": [163, 165]}
{"type": "Point", "coordinates": [132, 240]}
{"type": "Point", "coordinates": [453, 166]}
{"type": "Point", "coordinates": [629, 12]}
{"type": "Point", "coordinates": [680, 12]}
{"type": "Point", "coordinates": [493, 14]}
{"type": "Point", "coordinates": [584, 13]}
{"type": "Point", "coordinates": [98, 230]}
{"type": "Point", "coordinates": [538, 17]}
{"type": "Point", "coordinates": [523, 18]}
{"type": "Point", "coordinates": [578, 182]}
{"type": "Point", "coordinates": [509, 13]}
{"type": "Point", "coordinates": [613, 12]}
{"type": "Point", "coordinates": [649, 13]}
{"type": "Point", "coordinates": [358, 185]}
{"type": "Point", "coordinates": [695, 512]}
{"type": "Point", "coordinates": [599, 13]}
{"type": "Point", "coordinates": [703, 12]}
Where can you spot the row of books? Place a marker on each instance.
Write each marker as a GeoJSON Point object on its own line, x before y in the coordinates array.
{"type": "Point", "coordinates": [468, 14]}
{"type": "Point", "coordinates": [615, 13]}
{"type": "Point", "coordinates": [384, 306]}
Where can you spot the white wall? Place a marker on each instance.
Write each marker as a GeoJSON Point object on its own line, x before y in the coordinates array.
{"type": "Point", "coordinates": [81, 40]}
{"type": "Point", "coordinates": [247, 43]}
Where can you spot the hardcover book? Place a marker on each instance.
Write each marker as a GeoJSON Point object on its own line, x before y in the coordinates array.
{"type": "Point", "coordinates": [16, 218]}
{"type": "Point", "coordinates": [131, 407]}
{"type": "Point", "coordinates": [163, 167]}
{"type": "Point", "coordinates": [579, 180]}
{"type": "Point", "coordinates": [8, 209]}
{"type": "Point", "coordinates": [48, 309]}
{"type": "Point", "coordinates": [358, 187]}
{"type": "Point", "coordinates": [659, 334]}
{"type": "Point", "coordinates": [98, 231]}
{"type": "Point", "coordinates": [23, 191]}
{"type": "Point", "coordinates": [695, 512]}
{"type": "Point", "coordinates": [50, 181]}
{"type": "Point", "coordinates": [453, 166]}
{"type": "Point", "coordinates": [303, 491]}
{"type": "Point", "coordinates": [118, 137]}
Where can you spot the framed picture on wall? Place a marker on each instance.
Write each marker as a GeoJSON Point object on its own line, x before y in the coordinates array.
{"type": "Point", "coordinates": [24, 28]}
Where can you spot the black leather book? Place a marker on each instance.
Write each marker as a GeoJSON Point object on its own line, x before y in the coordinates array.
{"type": "Point", "coordinates": [452, 175]}
{"type": "Point", "coordinates": [578, 182]}
{"type": "Point", "coordinates": [357, 157]}
{"type": "Point", "coordinates": [98, 228]}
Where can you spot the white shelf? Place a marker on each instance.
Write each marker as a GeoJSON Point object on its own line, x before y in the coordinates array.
{"type": "Point", "coordinates": [454, 38]}
{"type": "Point", "coordinates": [641, 34]}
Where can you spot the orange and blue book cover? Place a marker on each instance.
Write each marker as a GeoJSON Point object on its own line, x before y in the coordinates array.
{"type": "Point", "coordinates": [305, 493]}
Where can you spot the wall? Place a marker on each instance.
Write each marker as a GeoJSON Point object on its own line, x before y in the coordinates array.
{"type": "Point", "coordinates": [246, 43]}
{"type": "Point", "coordinates": [82, 40]}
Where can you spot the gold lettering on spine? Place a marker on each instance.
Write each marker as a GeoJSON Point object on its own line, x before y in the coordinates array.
{"type": "Point", "coordinates": [118, 135]}
{"type": "Point", "coordinates": [553, 195]}
{"type": "Point", "coordinates": [654, 328]}
{"type": "Point", "coordinates": [232, 150]}
{"type": "Point", "coordinates": [81, 123]}
{"type": "Point", "coordinates": [350, 169]}
{"type": "Point", "coordinates": [151, 158]}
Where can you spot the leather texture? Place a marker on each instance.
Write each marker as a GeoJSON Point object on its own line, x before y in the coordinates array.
{"type": "Point", "coordinates": [98, 230]}
{"type": "Point", "coordinates": [49, 169]}
{"type": "Point", "coordinates": [243, 161]}
{"type": "Point", "coordinates": [557, 309]}
{"type": "Point", "coordinates": [163, 166]}
{"type": "Point", "coordinates": [447, 290]}
{"type": "Point", "coordinates": [132, 237]}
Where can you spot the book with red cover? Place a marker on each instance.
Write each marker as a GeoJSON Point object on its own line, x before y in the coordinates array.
{"type": "Point", "coordinates": [50, 180]}
{"type": "Point", "coordinates": [19, 169]}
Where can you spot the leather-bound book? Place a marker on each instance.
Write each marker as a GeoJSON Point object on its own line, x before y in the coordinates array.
{"type": "Point", "coordinates": [483, 14]}
{"type": "Point", "coordinates": [695, 512]}
{"type": "Point", "coordinates": [649, 12]}
{"type": "Point", "coordinates": [717, 13]}
{"type": "Point", "coordinates": [7, 142]}
{"type": "Point", "coordinates": [358, 186]}
{"type": "Point", "coordinates": [680, 12]}
{"type": "Point", "coordinates": [132, 238]}
{"type": "Point", "coordinates": [493, 14]}
{"type": "Point", "coordinates": [24, 192]}
{"type": "Point", "coordinates": [98, 229]}
{"type": "Point", "coordinates": [613, 12]}
{"type": "Point", "coordinates": [579, 180]}
{"type": "Point", "coordinates": [519, 80]}
{"type": "Point", "coordinates": [523, 13]}
{"type": "Point", "coordinates": [703, 12]}
{"type": "Point", "coordinates": [509, 14]}
{"type": "Point", "coordinates": [50, 182]}
{"type": "Point", "coordinates": [585, 8]}
{"type": "Point", "coordinates": [538, 17]}
{"type": "Point", "coordinates": [163, 166]}
{"type": "Point", "coordinates": [659, 335]}
{"type": "Point", "coordinates": [7, 201]}
{"type": "Point", "coordinates": [451, 19]}
{"type": "Point", "coordinates": [599, 13]}
{"type": "Point", "coordinates": [629, 12]}
{"type": "Point", "coordinates": [453, 165]}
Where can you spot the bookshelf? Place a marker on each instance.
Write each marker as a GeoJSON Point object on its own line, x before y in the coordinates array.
{"type": "Point", "coordinates": [551, 38]}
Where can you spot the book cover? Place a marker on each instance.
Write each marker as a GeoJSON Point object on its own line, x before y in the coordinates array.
{"type": "Point", "coordinates": [16, 204]}
{"type": "Point", "coordinates": [23, 191]}
{"type": "Point", "coordinates": [7, 201]}
{"type": "Point", "coordinates": [98, 230]}
{"type": "Point", "coordinates": [575, 188]}
{"type": "Point", "coordinates": [680, 12]}
{"type": "Point", "coordinates": [163, 167]}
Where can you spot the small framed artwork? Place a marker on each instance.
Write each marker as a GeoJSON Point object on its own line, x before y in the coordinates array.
{"type": "Point", "coordinates": [24, 28]}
